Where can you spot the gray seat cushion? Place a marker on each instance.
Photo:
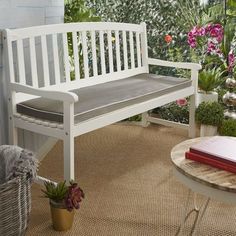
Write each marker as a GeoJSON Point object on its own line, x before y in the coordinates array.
{"type": "Point", "coordinates": [107, 97]}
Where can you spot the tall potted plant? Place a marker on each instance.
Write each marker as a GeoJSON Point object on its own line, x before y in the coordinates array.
{"type": "Point", "coordinates": [210, 116]}
{"type": "Point", "coordinates": [63, 200]}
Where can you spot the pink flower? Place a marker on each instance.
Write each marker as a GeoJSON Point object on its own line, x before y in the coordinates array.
{"type": "Point", "coordinates": [211, 47]}
{"type": "Point", "coordinates": [231, 60]}
{"type": "Point", "coordinates": [201, 31]}
{"type": "Point", "coordinates": [208, 28]}
{"type": "Point", "coordinates": [192, 42]}
{"type": "Point", "coordinates": [217, 32]}
{"type": "Point", "coordinates": [168, 38]}
{"type": "Point", "coordinates": [182, 102]}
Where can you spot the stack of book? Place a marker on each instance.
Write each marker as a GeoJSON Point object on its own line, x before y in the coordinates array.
{"type": "Point", "coordinates": [217, 151]}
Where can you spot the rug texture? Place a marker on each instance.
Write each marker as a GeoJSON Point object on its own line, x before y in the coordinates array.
{"type": "Point", "coordinates": [126, 174]}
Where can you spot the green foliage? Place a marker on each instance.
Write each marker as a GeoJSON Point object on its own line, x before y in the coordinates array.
{"type": "Point", "coordinates": [76, 11]}
{"type": "Point", "coordinates": [228, 128]}
{"type": "Point", "coordinates": [54, 192]}
{"type": "Point", "coordinates": [135, 118]}
{"type": "Point", "coordinates": [209, 79]}
{"type": "Point", "coordinates": [162, 18]}
{"type": "Point", "coordinates": [174, 112]}
{"type": "Point", "coordinates": [210, 113]}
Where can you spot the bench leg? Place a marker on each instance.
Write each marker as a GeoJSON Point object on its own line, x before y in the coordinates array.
{"type": "Point", "coordinates": [145, 121]}
{"type": "Point", "coordinates": [69, 158]}
{"type": "Point", "coordinates": [13, 133]}
{"type": "Point", "coordinates": [192, 124]}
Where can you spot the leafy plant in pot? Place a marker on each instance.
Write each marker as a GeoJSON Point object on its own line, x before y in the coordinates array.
{"type": "Point", "coordinates": [208, 81]}
{"type": "Point", "coordinates": [210, 115]}
{"type": "Point", "coordinates": [63, 200]}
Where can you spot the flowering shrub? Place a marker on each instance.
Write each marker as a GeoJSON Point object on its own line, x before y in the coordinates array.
{"type": "Point", "coordinates": [209, 40]}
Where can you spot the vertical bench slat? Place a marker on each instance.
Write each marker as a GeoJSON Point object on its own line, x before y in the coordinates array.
{"type": "Point", "coordinates": [117, 50]}
{"type": "Point", "coordinates": [56, 58]}
{"type": "Point", "coordinates": [95, 67]}
{"type": "Point", "coordinates": [21, 61]}
{"type": "Point", "coordinates": [10, 60]}
{"type": "Point", "coordinates": [131, 40]}
{"type": "Point", "coordinates": [111, 69]}
{"type": "Point", "coordinates": [138, 48]}
{"type": "Point", "coordinates": [66, 56]}
{"type": "Point", "coordinates": [45, 60]}
{"type": "Point", "coordinates": [33, 63]}
{"type": "Point", "coordinates": [144, 47]}
{"type": "Point", "coordinates": [85, 54]}
{"type": "Point", "coordinates": [125, 50]}
{"type": "Point", "coordinates": [76, 55]}
{"type": "Point", "coordinates": [102, 53]}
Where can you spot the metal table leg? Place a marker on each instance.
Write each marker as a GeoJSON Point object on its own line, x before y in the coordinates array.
{"type": "Point", "coordinates": [200, 211]}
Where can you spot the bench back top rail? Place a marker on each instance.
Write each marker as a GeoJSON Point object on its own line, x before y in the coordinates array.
{"type": "Point", "coordinates": [75, 55]}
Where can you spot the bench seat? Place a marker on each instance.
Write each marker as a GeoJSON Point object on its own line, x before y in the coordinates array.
{"type": "Point", "coordinates": [104, 98]}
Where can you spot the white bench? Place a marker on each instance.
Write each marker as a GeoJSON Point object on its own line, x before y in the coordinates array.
{"type": "Point", "coordinates": [102, 78]}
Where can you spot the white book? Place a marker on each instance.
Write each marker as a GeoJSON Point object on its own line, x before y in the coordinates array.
{"type": "Point", "coordinates": [217, 147]}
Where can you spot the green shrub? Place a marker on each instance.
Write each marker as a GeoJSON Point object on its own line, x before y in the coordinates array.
{"type": "Point", "coordinates": [210, 113]}
{"type": "Point", "coordinates": [228, 128]}
{"type": "Point", "coordinates": [76, 11]}
{"type": "Point", "coordinates": [173, 112]}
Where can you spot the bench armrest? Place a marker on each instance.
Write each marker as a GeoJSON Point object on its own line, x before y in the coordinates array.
{"type": "Point", "coordinates": [51, 94]}
{"type": "Point", "coordinates": [182, 65]}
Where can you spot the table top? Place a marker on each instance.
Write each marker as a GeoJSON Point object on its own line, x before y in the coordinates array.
{"type": "Point", "coordinates": [205, 174]}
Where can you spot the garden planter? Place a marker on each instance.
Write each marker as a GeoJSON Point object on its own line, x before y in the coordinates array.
{"type": "Point", "coordinates": [208, 130]}
{"type": "Point", "coordinates": [62, 219]}
{"type": "Point", "coordinates": [206, 97]}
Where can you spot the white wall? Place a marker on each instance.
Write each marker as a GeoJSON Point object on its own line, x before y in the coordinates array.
{"type": "Point", "coordinates": [17, 14]}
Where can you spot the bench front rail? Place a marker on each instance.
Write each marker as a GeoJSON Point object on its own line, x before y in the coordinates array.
{"type": "Point", "coordinates": [53, 60]}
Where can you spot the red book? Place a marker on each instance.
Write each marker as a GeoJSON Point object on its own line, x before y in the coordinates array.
{"type": "Point", "coordinates": [210, 161]}
{"type": "Point", "coordinates": [218, 148]}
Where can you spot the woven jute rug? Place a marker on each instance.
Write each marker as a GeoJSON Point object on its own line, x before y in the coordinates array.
{"type": "Point", "coordinates": [126, 174]}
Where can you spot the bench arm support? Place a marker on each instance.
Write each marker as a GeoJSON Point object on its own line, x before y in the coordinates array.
{"type": "Point", "coordinates": [51, 94]}
{"type": "Point", "coordinates": [182, 65]}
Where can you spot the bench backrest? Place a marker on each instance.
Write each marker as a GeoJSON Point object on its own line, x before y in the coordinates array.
{"type": "Point", "coordinates": [76, 54]}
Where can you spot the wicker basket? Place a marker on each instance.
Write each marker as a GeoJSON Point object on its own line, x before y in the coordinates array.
{"type": "Point", "coordinates": [15, 205]}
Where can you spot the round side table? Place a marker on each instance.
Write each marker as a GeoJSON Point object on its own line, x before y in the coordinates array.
{"type": "Point", "coordinates": [202, 179]}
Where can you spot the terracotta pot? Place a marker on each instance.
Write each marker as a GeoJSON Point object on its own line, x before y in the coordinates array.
{"type": "Point", "coordinates": [62, 219]}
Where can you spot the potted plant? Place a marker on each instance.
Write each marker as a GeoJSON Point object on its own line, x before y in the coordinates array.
{"type": "Point", "coordinates": [63, 200]}
{"type": "Point", "coordinates": [228, 128]}
{"type": "Point", "coordinates": [208, 81]}
{"type": "Point", "coordinates": [210, 115]}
